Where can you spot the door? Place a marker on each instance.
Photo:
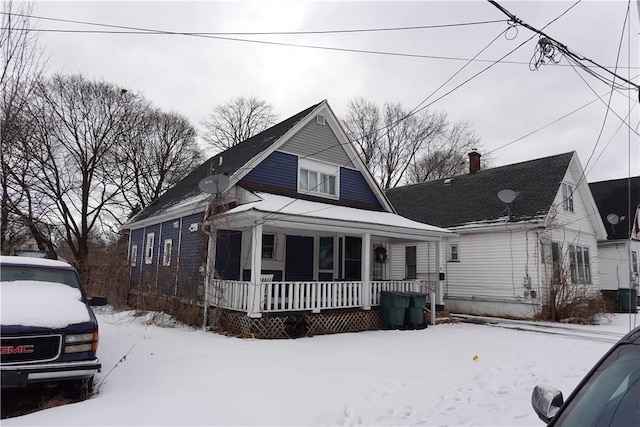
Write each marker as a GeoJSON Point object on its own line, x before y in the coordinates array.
{"type": "Point", "coordinates": [298, 265]}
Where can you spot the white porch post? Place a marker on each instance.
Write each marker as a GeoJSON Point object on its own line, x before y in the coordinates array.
{"type": "Point", "coordinates": [255, 295]}
{"type": "Point", "coordinates": [365, 273]}
{"type": "Point", "coordinates": [439, 284]}
{"type": "Point", "coordinates": [209, 277]}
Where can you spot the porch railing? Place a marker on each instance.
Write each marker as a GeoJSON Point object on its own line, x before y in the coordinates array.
{"type": "Point", "coordinates": [303, 296]}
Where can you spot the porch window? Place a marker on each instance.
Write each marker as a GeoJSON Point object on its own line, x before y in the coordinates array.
{"type": "Point", "coordinates": [453, 253]}
{"type": "Point", "coordinates": [268, 246]}
{"type": "Point", "coordinates": [325, 254]}
{"type": "Point", "coordinates": [133, 256]}
{"type": "Point", "coordinates": [318, 178]}
{"type": "Point", "coordinates": [579, 264]}
{"type": "Point", "coordinates": [567, 197]}
{"type": "Point", "coordinates": [148, 254]}
{"type": "Point", "coordinates": [166, 254]}
{"type": "Point", "coordinates": [410, 259]}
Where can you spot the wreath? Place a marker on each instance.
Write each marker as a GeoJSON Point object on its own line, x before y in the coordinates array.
{"type": "Point", "coordinates": [380, 254]}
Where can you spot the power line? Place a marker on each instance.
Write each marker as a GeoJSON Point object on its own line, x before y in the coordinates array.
{"type": "Point", "coordinates": [225, 36]}
{"type": "Point", "coordinates": [549, 47]}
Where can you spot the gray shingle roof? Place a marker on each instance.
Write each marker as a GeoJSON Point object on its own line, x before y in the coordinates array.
{"type": "Point", "coordinates": [233, 159]}
{"type": "Point", "coordinates": [612, 197]}
{"type": "Point", "coordinates": [473, 198]}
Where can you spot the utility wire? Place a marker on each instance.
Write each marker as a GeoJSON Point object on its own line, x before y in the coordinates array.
{"type": "Point", "coordinates": [221, 36]}
{"type": "Point", "coordinates": [547, 42]}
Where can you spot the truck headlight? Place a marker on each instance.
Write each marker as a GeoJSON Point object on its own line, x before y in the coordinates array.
{"type": "Point", "coordinates": [75, 343]}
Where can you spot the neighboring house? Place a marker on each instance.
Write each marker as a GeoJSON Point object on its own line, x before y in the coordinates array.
{"type": "Point", "coordinates": [28, 246]}
{"type": "Point", "coordinates": [295, 238]}
{"type": "Point", "coordinates": [505, 254]}
{"type": "Point", "coordinates": [617, 202]}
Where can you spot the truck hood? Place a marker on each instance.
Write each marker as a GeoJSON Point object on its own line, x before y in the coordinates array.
{"type": "Point", "coordinates": [41, 304]}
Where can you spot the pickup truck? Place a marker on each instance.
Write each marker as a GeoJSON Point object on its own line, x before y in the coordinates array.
{"type": "Point", "coordinates": [48, 331]}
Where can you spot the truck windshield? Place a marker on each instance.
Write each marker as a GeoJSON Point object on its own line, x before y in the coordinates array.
{"type": "Point", "coordinates": [12, 273]}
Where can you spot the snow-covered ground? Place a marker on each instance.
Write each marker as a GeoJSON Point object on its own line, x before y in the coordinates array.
{"type": "Point", "coordinates": [161, 373]}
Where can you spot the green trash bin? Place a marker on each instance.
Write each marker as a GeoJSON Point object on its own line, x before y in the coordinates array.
{"type": "Point", "coordinates": [628, 300]}
{"type": "Point", "coordinates": [393, 306]}
{"type": "Point", "coordinates": [414, 316]}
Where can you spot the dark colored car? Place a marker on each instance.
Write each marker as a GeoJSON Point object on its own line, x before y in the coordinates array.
{"type": "Point", "coordinates": [49, 333]}
{"type": "Point", "coordinates": [608, 396]}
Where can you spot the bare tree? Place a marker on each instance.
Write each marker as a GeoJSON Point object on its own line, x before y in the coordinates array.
{"type": "Point", "coordinates": [159, 151]}
{"type": "Point", "coordinates": [237, 120]}
{"type": "Point", "coordinates": [22, 66]}
{"type": "Point", "coordinates": [392, 141]}
{"type": "Point", "coordinates": [76, 123]}
{"type": "Point", "coordinates": [447, 156]}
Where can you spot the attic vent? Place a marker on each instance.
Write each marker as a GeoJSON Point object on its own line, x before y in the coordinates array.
{"type": "Point", "coordinates": [320, 120]}
{"type": "Point", "coordinates": [448, 181]}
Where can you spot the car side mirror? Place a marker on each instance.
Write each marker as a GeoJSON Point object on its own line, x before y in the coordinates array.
{"type": "Point", "coordinates": [546, 401]}
{"type": "Point", "coordinates": [97, 301]}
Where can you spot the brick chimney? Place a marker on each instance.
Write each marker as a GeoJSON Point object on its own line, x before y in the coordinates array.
{"type": "Point", "coordinates": [474, 161]}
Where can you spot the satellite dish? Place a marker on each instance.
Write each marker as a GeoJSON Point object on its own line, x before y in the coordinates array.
{"type": "Point", "coordinates": [507, 196]}
{"type": "Point", "coordinates": [214, 184]}
{"type": "Point", "coordinates": [613, 219]}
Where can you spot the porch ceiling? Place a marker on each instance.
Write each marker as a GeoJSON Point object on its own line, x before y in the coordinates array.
{"type": "Point", "coordinates": [282, 211]}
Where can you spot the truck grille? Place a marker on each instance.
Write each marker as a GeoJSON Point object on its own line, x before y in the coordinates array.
{"type": "Point", "coordinates": [30, 349]}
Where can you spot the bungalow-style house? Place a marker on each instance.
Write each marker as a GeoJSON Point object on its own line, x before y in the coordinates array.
{"type": "Point", "coordinates": [285, 233]}
{"type": "Point", "coordinates": [617, 201]}
{"type": "Point", "coordinates": [519, 228]}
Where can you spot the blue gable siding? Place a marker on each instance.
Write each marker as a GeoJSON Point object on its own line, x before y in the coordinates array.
{"type": "Point", "coordinates": [277, 170]}
{"type": "Point", "coordinates": [192, 256]}
{"type": "Point", "coordinates": [354, 187]}
{"type": "Point", "coordinates": [136, 239]}
{"type": "Point", "coordinates": [150, 271]}
{"type": "Point", "coordinates": [183, 277]}
{"type": "Point", "coordinates": [167, 274]}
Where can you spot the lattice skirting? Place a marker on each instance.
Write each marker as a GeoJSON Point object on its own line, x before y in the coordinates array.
{"type": "Point", "coordinates": [293, 325]}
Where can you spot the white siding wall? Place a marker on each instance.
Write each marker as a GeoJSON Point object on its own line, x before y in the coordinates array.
{"type": "Point", "coordinates": [426, 260]}
{"type": "Point", "coordinates": [614, 262]}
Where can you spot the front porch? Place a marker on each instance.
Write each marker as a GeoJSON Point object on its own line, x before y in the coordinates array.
{"type": "Point", "coordinates": [296, 309]}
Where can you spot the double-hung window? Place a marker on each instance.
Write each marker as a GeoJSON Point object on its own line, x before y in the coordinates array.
{"type": "Point", "coordinates": [318, 178]}
{"type": "Point", "coordinates": [166, 254]}
{"type": "Point", "coordinates": [579, 264]}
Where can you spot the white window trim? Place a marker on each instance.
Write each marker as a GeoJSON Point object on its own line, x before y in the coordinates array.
{"type": "Point", "coordinates": [567, 196]}
{"type": "Point", "coordinates": [320, 168]}
{"type": "Point", "coordinates": [133, 256]}
{"type": "Point", "coordinates": [166, 254]}
{"type": "Point", "coordinates": [148, 250]}
{"type": "Point", "coordinates": [450, 258]}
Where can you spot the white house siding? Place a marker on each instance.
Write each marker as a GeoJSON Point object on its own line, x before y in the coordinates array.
{"type": "Point", "coordinates": [426, 267]}
{"type": "Point", "coordinates": [614, 262]}
{"type": "Point", "coordinates": [489, 276]}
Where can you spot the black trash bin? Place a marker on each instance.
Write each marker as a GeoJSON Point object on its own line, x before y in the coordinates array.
{"type": "Point", "coordinates": [628, 300]}
{"type": "Point", "coordinates": [414, 315]}
{"type": "Point", "coordinates": [393, 306]}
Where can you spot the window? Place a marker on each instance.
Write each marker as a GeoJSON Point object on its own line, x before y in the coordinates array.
{"type": "Point", "coordinates": [410, 260]}
{"type": "Point", "coordinates": [148, 254]}
{"type": "Point", "coordinates": [634, 262]}
{"type": "Point", "coordinates": [268, 246]}
{"type": "Point", "coordinates": [567, 197]}
{"type": "Point", "coordinates": [318, 178]}
{"type": "Point", "coordinates": [555, 259]}
{"type": "Point", "coordinates": [133, 256]}
{"type": "Point", "coordinates": [453, 253]}
{"type": "Point", "coordinates": [325, 254]}
{"type": "Point", "coordinates": [579, 264]}
{"type": "Point", "coordinates": [166, 254]}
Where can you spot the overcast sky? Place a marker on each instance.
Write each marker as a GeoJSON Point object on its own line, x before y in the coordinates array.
{"type": "Point", "coordinates": [191, 75]}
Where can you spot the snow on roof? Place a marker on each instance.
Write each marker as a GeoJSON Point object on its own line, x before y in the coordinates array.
{"type": "Point", "coordinates": [41, 304]}
{"type": "Point", "coordinates": [38, 262]}
{"type": "Point", "coordinates": [282, 205]}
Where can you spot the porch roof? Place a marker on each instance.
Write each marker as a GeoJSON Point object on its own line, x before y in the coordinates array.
{"type": "Point", "coordinates": [282, 211]}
